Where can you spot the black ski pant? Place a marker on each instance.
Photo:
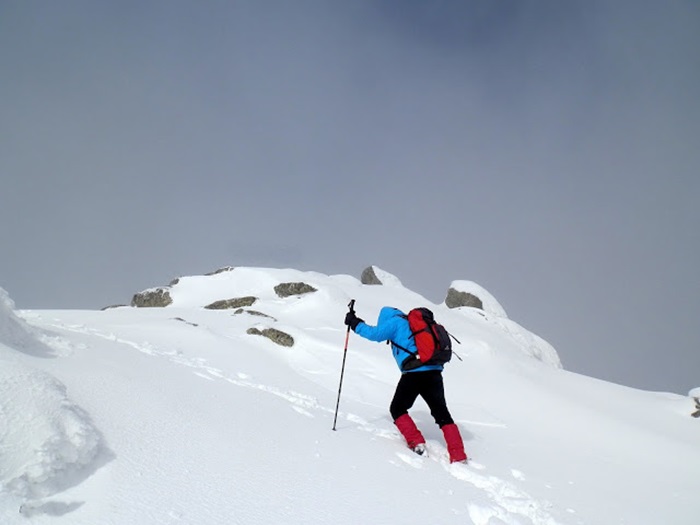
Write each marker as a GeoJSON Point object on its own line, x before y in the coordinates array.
{"type": "Point", "coordinates": [430, 387]}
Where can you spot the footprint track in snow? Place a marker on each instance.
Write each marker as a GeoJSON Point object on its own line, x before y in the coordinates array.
{"type": "Point", "coordinates": [302, 403]}
{"type": "Point", "coordinates": [510, 504]}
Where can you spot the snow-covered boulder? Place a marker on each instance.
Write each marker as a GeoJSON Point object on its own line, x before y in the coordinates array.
{"type": "Point", "coordinates": [221, 270]}
{"type": "Point", "coordinates": [235, 302]}
{"type": "Point", "coordinates": [375, 275]}
{"type": "Point", "coordinates": [276, 336]}
{"type": "Point", "coordinates": [468, 293]}
{"type": "Point", "coordinates": [152, 298]}
{"type": "Point", "coordinates": [368, 276]}
{"type": "Point", "coordinates": [296, 288]}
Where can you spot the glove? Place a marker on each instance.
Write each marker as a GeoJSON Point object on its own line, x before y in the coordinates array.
{"type": "Point", "coordinates": [352, 320]}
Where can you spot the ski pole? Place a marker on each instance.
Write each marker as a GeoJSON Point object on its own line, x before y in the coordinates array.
{"type": "Point", "coordinates": [351, 306]}
{"type": "Point", "coordinates": [458, 342]}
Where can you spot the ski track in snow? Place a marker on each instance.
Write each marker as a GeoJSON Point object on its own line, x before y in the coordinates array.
{"type": "Point", "coordinates": [510, 504]}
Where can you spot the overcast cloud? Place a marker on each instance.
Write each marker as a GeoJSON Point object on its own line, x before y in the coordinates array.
{"type": "Point", "coordinates": [547, 150]}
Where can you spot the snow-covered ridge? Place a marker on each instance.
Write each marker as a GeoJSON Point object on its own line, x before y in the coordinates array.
{"type": "Point", "coordinates": [332, 291]}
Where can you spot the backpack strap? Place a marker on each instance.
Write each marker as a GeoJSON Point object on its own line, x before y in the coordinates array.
{"type": "Point", "coordinates": [404, 316]}
{"type": "Point", "coordinates": [402, 348]}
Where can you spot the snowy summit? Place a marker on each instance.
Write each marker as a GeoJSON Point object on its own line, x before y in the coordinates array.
{"type": "Point", "coordinates": [217, 408]}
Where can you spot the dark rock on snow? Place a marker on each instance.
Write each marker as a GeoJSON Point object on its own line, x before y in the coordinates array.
{"type": "Point", "coordinates": [276, 336]}
{"type": "Point", "coordinates": [152, 298]}
{"type": "Point", "coordinates": [289, 289]}
{"type": "Point", "coordinates": [236, 302]}
{"type": "Point", "coordinates": [456, 299]}
{"type": "Point", "coordinates": [369, 276]}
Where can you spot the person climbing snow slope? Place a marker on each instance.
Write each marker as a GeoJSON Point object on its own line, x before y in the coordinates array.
{"type": "Point", "coordinates": [424, 380]}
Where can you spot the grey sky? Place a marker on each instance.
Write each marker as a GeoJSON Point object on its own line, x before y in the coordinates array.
{"type": "Point", "coordinates": [549, 150]}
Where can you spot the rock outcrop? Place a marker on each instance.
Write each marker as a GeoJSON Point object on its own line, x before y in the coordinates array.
{"type": "Point", "coordinates": [152, 298]}
{"type": "Point", "coordinates": [471, 295]}
{"type": "Point", "coordinates": [288, 289]}
{"type": "Point", "coordinates": [456, 299]}
{"type": "Point", "coordinates": [253, 312]}
{"type": "Point", "coordinates": [369, 276]}
{"type": "Point", "coordinates": [221, 270]}
{"type": "Point", "coordinates": [236, 302]}
{"type": "Point", "coordinates": [111, 306]}
{"type": "Point", "coordinates": [276, 336]}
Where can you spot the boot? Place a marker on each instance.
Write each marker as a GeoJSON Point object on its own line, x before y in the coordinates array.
{"type": "Point", "coordinates": [455, 445]}
{"type": "Point", "coordinates": [409, 430]}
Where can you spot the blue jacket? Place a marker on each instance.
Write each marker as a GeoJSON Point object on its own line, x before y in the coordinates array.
{"type": "Point", "coordinates": [392, 325]}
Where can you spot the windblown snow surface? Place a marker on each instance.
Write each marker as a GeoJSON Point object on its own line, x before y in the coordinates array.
{"type": "Point", "coordinates": [178, 415]}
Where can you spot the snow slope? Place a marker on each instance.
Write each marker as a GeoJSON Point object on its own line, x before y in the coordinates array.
{"type": "Point", "coordinates": [177, 415]}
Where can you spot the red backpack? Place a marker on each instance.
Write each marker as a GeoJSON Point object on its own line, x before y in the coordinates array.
{"type": "Point", "coordinates": [431, 338]}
